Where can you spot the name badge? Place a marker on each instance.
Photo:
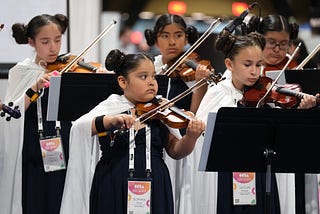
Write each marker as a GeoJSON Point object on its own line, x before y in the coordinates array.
{"type": "Point", "coordinates": [139, 197]}
{"type": "Point", "coordinates": [244, 188]}
{"type": "Point", "coordinates": [52, 154]}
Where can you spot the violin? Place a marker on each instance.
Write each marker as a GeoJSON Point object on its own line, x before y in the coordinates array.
{"type": "Point", "coordinates": [68, 66]}
{"type": "Point", "coordinates": [185, 71]}
{"type": "Point", "coordinates": [12, 112]}
{"type": "Point", "coordinates": [252, 95]}
{"type": "Point", "coordinates": [262, 91]}
{"type": "Point", "coordinates": [81, 66]}
{"type": "Point", "coordinates": [164, 109]}
{"type": "Point", "coordinates": [172, 116]}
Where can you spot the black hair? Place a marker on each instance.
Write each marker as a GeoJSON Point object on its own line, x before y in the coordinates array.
{"type": "Point", "coordinates": [21, 32]}
{"type": "Point", "coordinates": [272, 23]}
{"type": "Point", "coordinates": [231, 45]}
{"type": "Point", "coordinates": [166, 19]}
{"type": "Point", "coordinates": [122, 64]}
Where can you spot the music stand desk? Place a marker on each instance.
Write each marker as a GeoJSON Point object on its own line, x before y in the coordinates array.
{"type": "Point", "coordinates": [254, 139]}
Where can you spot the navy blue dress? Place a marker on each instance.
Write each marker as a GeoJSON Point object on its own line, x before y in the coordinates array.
{"type": "Point", "coordinates": [109, 187]}
{"type": "Point", "coordinates": [41, 191]}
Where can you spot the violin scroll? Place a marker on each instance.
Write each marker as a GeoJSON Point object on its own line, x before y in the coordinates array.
{"type": "Point", "coordinates": [12, 112]}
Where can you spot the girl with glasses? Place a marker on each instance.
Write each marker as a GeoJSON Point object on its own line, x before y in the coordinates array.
{"type": "Point", "coordinates": [278, 33]}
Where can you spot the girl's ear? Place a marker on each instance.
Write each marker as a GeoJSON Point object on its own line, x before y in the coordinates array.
{"type": "Point", "coordinates": [228, 64]}
{"type": "Point", "coordinates": [122, 82]}
{"type": "Point", "coordinates": [31, 42]}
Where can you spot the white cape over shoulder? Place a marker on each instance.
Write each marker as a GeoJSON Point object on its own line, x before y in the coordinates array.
{"type": "Point", "coordinates": [84, 155]}
{"type": "Point", "coordinates": [21, 77]}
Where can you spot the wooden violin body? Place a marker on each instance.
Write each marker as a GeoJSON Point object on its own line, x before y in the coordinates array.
{"type": "Point", "coordinates": [81, 66]}
{"type": "Point", "coordinates": [253, 94]}
{"type": "Point", "coordinates": [169, 115]}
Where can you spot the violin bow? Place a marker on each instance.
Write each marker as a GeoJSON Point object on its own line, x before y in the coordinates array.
{"type": "Point", "coordinates": [306, 60]}
{"type": "Point", "coordinates": [168, 70]}
{"type": "Point", "coordinates": [144, 117]}
{"type": "Point", "coordinates": [260, 102]}
{"type": "Point", "coordinates": [98, 38]}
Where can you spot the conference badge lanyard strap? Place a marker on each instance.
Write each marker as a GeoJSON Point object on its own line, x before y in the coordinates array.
{"type": "Point", "coordinates": [51, 146]}
{"type": "Point", "coordinates": [139, 189]}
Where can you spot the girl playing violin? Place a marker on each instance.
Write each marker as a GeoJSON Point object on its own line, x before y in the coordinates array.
{"type": "Point", "coordinates": [29, 182]}
{"type": "Point", "coordinates": [213, 192]}
{"type": "Point", "coordinates": [114, 172]}
{"type": "Point", "coordinates": [171, 35]}
{"type": "Point", "coordinates": [278, 32]}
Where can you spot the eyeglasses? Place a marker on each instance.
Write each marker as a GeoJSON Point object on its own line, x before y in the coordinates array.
{"type": "Point", "coordinates": [271, 43]}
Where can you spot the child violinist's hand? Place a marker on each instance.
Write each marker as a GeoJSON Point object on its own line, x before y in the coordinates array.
{"type": "Point", "coordinates": [120, 121]}
{"type": "Point", "coordinates": [202, 71]}
{"type": "Point", "coordinates": [307, 102]}
{"type": "Point", "coordinates": [195, 128]}
{"type": "Point", "coordinates": [178, 149]}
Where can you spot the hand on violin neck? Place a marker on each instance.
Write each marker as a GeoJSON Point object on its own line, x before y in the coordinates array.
{"type": "Point", "coordinates": [308, 101]}
{"type": "Point", "coordinates": [102, 70]}
{"type": "Point", "coordinates": [186, 144]}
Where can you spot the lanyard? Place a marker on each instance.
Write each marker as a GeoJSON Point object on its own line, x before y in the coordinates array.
{"type": "Point", "coordinates": [40, 121]}
{"type": "Point", "coordinates": [132, 146]}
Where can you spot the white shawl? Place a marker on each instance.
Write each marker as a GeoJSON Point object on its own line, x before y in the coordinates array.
{"type": "Point", "coordinates": [84, 155]}
{"type": "Point", "coordinates": [21, 77]}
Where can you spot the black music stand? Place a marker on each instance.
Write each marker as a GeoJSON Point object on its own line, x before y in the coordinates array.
{"type": "Point", "coordinates": [261, 140]}
{"type": "Point", "coordinates": [72, 95]}
{"type": "Point", "coordinates": [308, 79]}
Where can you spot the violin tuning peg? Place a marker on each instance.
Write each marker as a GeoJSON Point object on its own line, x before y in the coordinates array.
{"type": "Point", "coordinates": [2, 114]}
{"type": "Point", "coordinates": [8, 118]}
{"type": "Point", "coordinates": [10, 104]}
{"type": "Point", "coordinates": [16, 107]}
